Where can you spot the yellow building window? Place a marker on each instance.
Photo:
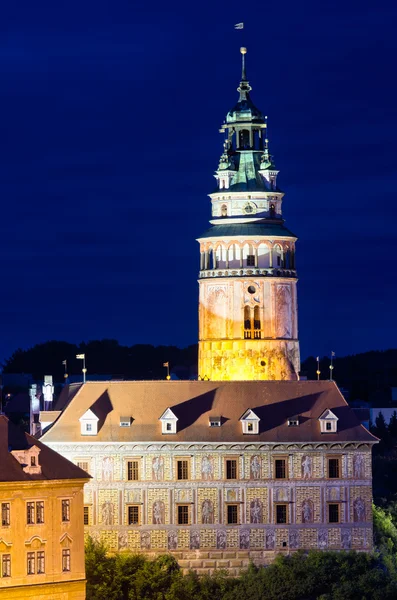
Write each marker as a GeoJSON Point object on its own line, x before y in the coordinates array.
{"type": "Point", "coordinates": [40, 563]}
{"type": "Point", "coordinates": [30, 513]}
{"type": "Point", "coordinates": [40, 512]}
{"type": "Point", "coordinates": [65, 560]}
{"type": "Point", "coordinates": [182, 469]}
{"type": "Point", "coordinates": [5, 514]}
{"type": "Point", "coordinates": [65, 511]}
{"type": "Point", "coordinates": [133, 470]}
{"type": "Point", "coordinates": [183, 514]}
{"type": "Point", "coordinates": [30, 566]}
{"type": "Point", "coordinates": [6, 565]}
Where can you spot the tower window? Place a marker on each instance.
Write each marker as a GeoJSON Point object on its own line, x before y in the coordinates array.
{"type": "Point", "coordinates": [257, 323]}
{"type": "Point", "coordinates": [272, 211]}
{"type": "Point", "coordinates": [250, 260]}
{"type": "Point", "coordinates": [223, 210]}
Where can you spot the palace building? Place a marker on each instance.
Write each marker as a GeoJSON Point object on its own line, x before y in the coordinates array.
{"type": "Point", "coordinates": [41, 527]}
{"type": "Point", "coordinates": [248, 461]}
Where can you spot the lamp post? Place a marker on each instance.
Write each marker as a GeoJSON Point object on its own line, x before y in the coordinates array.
{"type": "Point", "coordinates": [331, 366]}
{"type": "Point", "coordinates": [84, 370]}
{"type": "Point", "coordinates": [318, 368]}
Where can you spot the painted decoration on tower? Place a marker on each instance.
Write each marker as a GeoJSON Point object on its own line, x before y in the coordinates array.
{"type": "Point", "coordinates": [255, 467]}
{"type": "Point", "coordinates": [158, 512]}
{"type": "Point", "coordinates": [216, 313]}
{"type": "Point", "coordinates": [307, 511]}
{"type": "Point", "coordinates": [256, 511]}
{"type": "Point", "coordinates": [207, 468]}
{"type": "Point", "coordinates": [158, 468]}
{"type": "Point", "coordinates": [284, 308]}
{"type": "Point", "coordinates": [207, 512]}
{"type": "Point", "coordinates": [307, 467]}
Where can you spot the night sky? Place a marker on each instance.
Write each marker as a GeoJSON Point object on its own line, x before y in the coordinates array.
{"type": "Point", "coordinates": [109, 140]}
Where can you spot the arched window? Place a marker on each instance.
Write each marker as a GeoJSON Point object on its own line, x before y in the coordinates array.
{"type": "Point", "coordinates": [257, 323]}
{"type": "Point", "coordinates": [247, 322]}
{"type": "Point", "coordinates": [272, 211]}
{"type": "Point", "coordinates": [223, 210]}
{"type": "Point", "coordinates": [244, 138]}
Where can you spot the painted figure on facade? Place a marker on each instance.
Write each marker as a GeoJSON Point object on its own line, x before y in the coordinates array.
{"type": "Point", "coordinates": [123, 540]}
{"type": "Point", "coordinates": [221, 539]}
{"type": "Point", "coordinates": [172, 540]}
{"type": "Point", "coordinates": [158, 512]}
{"type": "Point", "coordinates": [207, 511]}
{"type": "Point", "coordinates": [107, 468]}
{"type": "Point", "coordinates": [244, 539]}
{"type": "Point", "coordinates": [270, 539]}
{"type": "Point", "coordinates": [346, 539]}
{"type": "Point", "coordinates": [207, 467]}
{"type": "Point", "coordinates": [322, 538]}
{"type": "Point", "coordinates": [145, 540]}
{"type": "Point", "coordinates": [358, 466]}
{"type": "Point", "coordinates": [107, 513]}
{"type": "Point", "coordinates": [255, 467]}
{"type": "Point", "coordinates": [294, 538]}
{"type": "Point", "coordinates": [307, 467]}
{"type": "Point", "coordinates": [256, 511]}
{"type": "Point", "coordinates": [158, 468]}
{"type": "Point", "coordinates": [307, 511]}
{"type": "Point", "coordinates": [194, 540]}
{"type": "Point", "coordinates": [359, 510]}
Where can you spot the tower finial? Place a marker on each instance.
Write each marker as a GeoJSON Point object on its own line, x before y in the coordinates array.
{"type": "Point", "coordinates": [243, 73]}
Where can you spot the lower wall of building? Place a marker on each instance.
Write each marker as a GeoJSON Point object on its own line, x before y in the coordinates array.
{"type": "Point", "coordinates": [71, 590]}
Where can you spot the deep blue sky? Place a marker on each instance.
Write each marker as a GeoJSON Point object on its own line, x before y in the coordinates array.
{"type": "Point", "coordinates": [109, 138]}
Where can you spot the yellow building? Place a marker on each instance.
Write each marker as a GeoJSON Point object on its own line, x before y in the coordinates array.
{"type": "Point", "coordinates": [41, 527]}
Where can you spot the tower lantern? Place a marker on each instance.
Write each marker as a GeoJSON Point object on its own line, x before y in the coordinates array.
{"type": "Point", "coordinates": [247, 283]}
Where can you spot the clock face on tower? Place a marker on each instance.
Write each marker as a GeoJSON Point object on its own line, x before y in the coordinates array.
{"type": "Point", "coordinates": [249, 209]}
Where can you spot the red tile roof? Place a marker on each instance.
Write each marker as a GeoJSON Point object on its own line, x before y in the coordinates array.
{"type": "Point", "coordinates": [53, 465]}
{"type": "Point", "coordinates": [194, 402]}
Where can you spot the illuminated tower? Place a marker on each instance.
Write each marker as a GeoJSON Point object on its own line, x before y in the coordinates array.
{"type": "Point", "coordinates": [248, 305]}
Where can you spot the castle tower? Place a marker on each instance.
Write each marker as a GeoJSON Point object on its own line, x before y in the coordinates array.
{"type": "Point", "coordinates": [248, 326]}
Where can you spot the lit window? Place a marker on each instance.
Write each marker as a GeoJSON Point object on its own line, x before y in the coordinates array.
{"type": "Point", "coordinates": [6, 565]}
{"type": "Point", "coordinates": [232, 514]}
{"type": "Point", "coordinates": [250, 427]}
{"type": "Point", "coordinates": [133, 515]}
{"type": "Point", "coordinates": [65, 560]}
{"type": "Point", "coordinates": [183, 514]}
{"type": "Point", "coordinates": [293, 422]}
{"type": "Point", "coordinates": [5, 513]}
{"type": "Point", "coordinates": [65, 510]}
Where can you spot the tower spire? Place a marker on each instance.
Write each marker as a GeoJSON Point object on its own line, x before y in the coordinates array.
{"type": "Point", "coordinates": [244, 87]}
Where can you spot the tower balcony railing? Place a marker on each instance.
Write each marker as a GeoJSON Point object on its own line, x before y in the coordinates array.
{"type": "Point", "coordinates": [247, 271]}
{"type": "Point", "coordinates": [253, 334]}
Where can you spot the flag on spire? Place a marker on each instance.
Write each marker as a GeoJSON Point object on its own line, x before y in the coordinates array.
{"type": "Point", "coordinates": [239, 26]}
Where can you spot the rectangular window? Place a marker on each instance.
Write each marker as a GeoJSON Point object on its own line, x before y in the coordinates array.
{"type": "Point", "coordinates": [40, 563]}
{"type": "Point", "coordinates": [40, 512]}
{"type": "Point", "coordinates": [65, 510]}
{"type": "Point", "coordinates": [83, 464]}
{"type": "Point", "coordinates": [333, 513]}
{"type": "Point", "coordinates": [182, 469]}
{"type": "Point", "coordinates": [328, 426]}
{"type": "Point", "coordinates": [30, 563]}
{"type": "Point", "coordinates": [5, 513]}
{"type": "Point", "coordinates": [30, 513]}
{"type": "Point", "coordinates": [183, 514]}
{"type": "Point", "coordinates": [231, 469]}
{"type": "Point", "coordinates": [132, 470]}
{"type": "Point", "coordinates": [333, 468]}
{"type": "Point", "coordinates": [281, 513]}
{"type": "Point", "coordinates": [88, 427]}
{"type": "Point", "coordinates": [6, 565]}
{"type": "Point", "coordinates": [133, 515]}
{"type": "Point", "coordinates": [280, 468]}
{"type": "Point", "coordinates": [65, 560]}
{"type": "Point", "coordinates": [250, 260]}
{"type": "Point", "coordinates": [32, 461]}
{"type": "Point", "coordinates": [86, 515]}
{"type": "Point", "coordinates": [168, 426]}
{"type": "Point", "coordinates": [232, 514]}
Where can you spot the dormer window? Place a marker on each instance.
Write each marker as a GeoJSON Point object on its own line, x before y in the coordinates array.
{"type": "Point", "coordinates": [250, 422]}
{"type": "Point", "coordinates": [125, 421]}
{"type": "Point", "coordinates": [168, 422]}
{"type": "Point", "coordinates": [215, 422]}
{"type": "Point", "coordinates": [294, 422]}
{"type": "Point", "coordinates": [328, 422]}
{"type": "Point", "coordinates": [89, 423]}
{"type": "Point", "coordinates": [28, 459]}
